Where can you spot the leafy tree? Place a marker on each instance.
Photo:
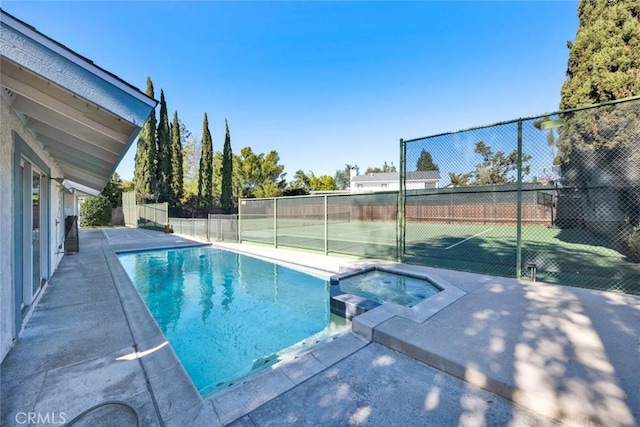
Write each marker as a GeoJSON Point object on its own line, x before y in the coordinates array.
{"type": "Point", "coordinates": [386, 168]}
{"type": "Point", "coordinates": [495, 168]}
{"type": "Point", "coordinates": [226, 198]}
{"type": "Point", "coordinates": [164, 152]}
{"type": "Point", "coordinates": [459, 180]}
{"type": "Point", "coordinates": [144, 176]}
{"type": "Point", "coordinates": [205, 177]}
{"type": "Point", "coordinates": [304, 183]}
{"type": "Point", "coordinates": [113, 190]}
{"type": "Point", "coordinates": [95, 211]}
{"type": "Point", "coordinates": [599, 147]}
{"type": "Point", "coordinates": [177, 162]}
{"type": "Point", "coordinates": [261, 175]}
{"type": "Point", "coordinates": [322, 183]}
{"type": "Point", "coordinates": [191, 151]}
{"type": "Point", "coordinates": [342, 177]}
{"type": "Point", "coordinates": [237, 180]}
{"type": "Point", "coordinates": [268, 189]}
{"type": "Point", "coordinates": [126, 186]}
{"type": "Point", "coordinates": [249, 173]}
{"type": "Point", "coordinates": [217, 177]}
{"type": "Point", "coordinates": [301, 183]}
{"type": "Point", "coordinates": [425, 162]}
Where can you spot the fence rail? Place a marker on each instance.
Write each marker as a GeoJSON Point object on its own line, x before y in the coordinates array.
{"type": "Point", "coordinates": [214, 228]}
{"type": "Point", "coordinates": [351, 224]}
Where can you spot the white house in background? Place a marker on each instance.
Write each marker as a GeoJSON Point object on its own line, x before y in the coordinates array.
{"type": "Point", "coordinates": [65, 125]}
{"type": "Point", "coordinates": [390, 181]}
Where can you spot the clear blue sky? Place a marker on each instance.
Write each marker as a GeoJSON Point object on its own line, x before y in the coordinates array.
{"type": "Point", "coordinates": [325, 83]}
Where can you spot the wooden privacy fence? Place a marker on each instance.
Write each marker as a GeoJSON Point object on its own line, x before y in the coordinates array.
{"type": "Point", "coordinates": [448, 206]}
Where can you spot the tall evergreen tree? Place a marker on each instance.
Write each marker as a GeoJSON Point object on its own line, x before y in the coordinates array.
{"type": "Point", "coordinates": [425, 162]}
{"type": "Point", "coordinates": [226, 198]}
{"type": "Point", "coordinates": [604, 60]}
{"type": "Point", "coordinates": [177, 174]}
{"type": "Point", "coordinates": [598, 147]}
{"type": "Point", "coordinates": [163, 136]}
{"type": "Point", "coordinates": [205, 177]}
{"type": "Point", "coordinates": [144, 175]}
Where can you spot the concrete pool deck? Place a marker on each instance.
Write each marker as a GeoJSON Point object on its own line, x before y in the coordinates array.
{"type": "Point", "coordinates": [542, 354]}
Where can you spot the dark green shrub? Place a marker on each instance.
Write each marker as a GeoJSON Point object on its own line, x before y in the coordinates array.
{"type": "Point", "coordinates": [95, 211]}
{"type": "Point", "coordinates": [634, 243]}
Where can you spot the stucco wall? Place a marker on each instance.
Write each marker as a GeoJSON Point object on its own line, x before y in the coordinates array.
{"type": "Point", "coordinates": [9, 123]}
{"type": "Point", "coordinates": [6, 233]}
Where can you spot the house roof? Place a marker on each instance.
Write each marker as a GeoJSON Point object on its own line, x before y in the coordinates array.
{"type": "Point", "coordinates": [423, 176]}
{"type": "Point", "coordinates": [394, 176]}
{"type": "Point", "coordinates": [85, 117]}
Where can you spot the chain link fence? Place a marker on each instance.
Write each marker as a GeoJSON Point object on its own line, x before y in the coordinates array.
{"type": "Point", "coordinates": [350, 224]}
{"type": "Point", "coordinates": [554, 198]}
{"type": "Point", "coordinates": [214, 228]}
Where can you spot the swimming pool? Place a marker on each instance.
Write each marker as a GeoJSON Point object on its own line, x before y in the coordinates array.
{"type": "Point", "coordinates": [227, 315]}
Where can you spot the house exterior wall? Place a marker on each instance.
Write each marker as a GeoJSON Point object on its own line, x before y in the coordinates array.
{"type": "Point", "coordinates": [373, 186]}
{"type": "Point", "coordinates": [8, 260]}
{"type": "Point", "coordinates": [7, 329]}
{"type": "Point", "coordinates": [421, 185]}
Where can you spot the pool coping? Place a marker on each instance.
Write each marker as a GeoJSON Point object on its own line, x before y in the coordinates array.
{"type": "Point", "coordinates": [174, 393]}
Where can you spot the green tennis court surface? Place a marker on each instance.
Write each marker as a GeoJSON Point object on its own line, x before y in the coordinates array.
{"type": "Point", "coordinates": [569, 256]}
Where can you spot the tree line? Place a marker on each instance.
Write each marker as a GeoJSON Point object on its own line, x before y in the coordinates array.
{"type": "Point", "coordinates": [171, 165]}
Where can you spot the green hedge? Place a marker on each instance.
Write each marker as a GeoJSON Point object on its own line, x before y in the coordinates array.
{"type": "Point", "coordinates": [95, 211]}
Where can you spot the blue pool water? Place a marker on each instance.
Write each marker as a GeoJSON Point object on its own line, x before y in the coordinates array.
{"type": "Point", "coordinates": [227, 314]}
{"type": "Point", "coordinates": [382, 287]}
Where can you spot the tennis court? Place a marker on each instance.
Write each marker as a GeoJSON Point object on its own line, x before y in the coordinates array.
{"type": "Point", "coordinates": [570, 256]}
{"type": "Point", "coordinates": [340, 235]}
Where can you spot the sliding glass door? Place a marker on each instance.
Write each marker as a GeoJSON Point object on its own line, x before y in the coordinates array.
{"type": "Point", "coordinates": [34, 231]}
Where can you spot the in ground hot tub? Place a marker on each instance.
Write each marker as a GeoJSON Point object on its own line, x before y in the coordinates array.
{"type": "Point", "coordinates": [356, 292]}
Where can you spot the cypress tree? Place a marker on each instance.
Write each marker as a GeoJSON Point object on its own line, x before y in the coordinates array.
{"type": "Point", "coordinates": [177, 175]}
{"type": "Point", "coordinates": [164, 151]}
{"type": "Point", "coordinates": [604, 60]}
{"type": "Point", "coordinates": [226, 198]}
{"type": "Point", "coordinates": [205, 176]}
{"type": "Point", "coordinates": [144, 175]}
{"type": "Point", "coordinates": [597, 147]}
{"type": "Point", "coordinates": [604, 65]}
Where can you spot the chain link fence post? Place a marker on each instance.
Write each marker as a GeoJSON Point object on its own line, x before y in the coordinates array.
{"type": "Point", "coordinates": [400, 236]}
{"type": "Point", "coordinates": [519, 204]}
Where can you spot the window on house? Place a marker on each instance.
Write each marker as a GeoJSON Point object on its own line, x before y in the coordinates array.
{"type": "Point", "coordinates": [359, 186]}
{"type": "Point", "coordinates": [383, 185]}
